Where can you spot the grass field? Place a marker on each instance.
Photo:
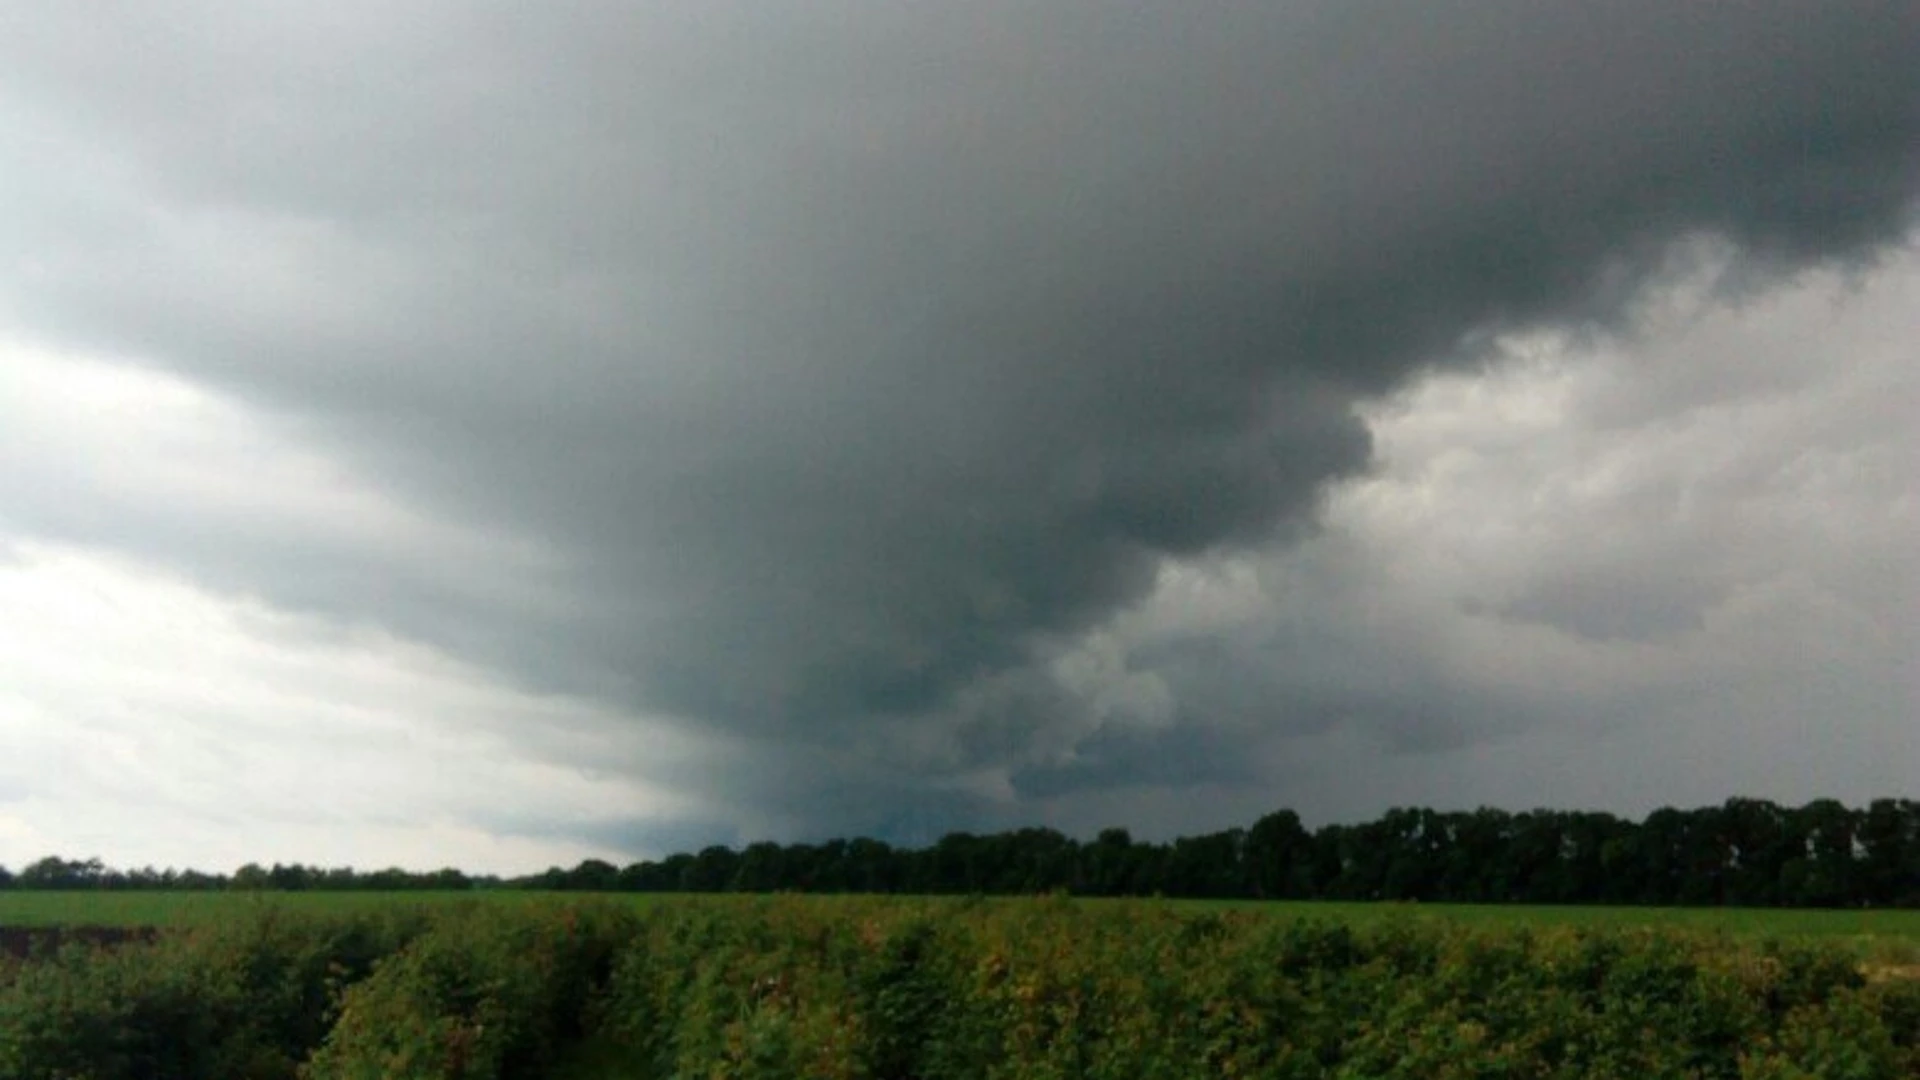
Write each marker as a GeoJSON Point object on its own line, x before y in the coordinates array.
{"type": "Point", "coordinates": [94, 908]}
{"type": "Point", "coordinates": [1893, 933]}
{"type": "Point", "coordinates": [1892, 926]}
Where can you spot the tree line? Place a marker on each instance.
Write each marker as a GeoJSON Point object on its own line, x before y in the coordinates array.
{"type": "Point", "coordinates": [1746, 852]}
{"type": "Point", "coordinates": [56, 873]}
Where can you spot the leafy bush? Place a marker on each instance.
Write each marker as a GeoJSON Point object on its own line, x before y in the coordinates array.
{"type": "Point", "coordinates": [484, 993]}
{"type": "Point", "coordinates": [246, 999]}
{"type": "Point", "coordinates": [945, 990]}
{"type": "Point", "coordinates": [1055, 989]}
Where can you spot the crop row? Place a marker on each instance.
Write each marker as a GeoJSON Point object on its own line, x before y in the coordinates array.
{"type": "Point", "coordinates": [895, 989]}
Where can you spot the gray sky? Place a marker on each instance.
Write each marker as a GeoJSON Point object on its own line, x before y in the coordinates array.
{"type": "Point", "coordinates": [499, 434]}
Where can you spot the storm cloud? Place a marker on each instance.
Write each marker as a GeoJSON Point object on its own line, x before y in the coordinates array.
{"type": "Point", "coordinates": [833, 382]}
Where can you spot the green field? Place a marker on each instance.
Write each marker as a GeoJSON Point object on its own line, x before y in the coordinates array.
{"type": "Point", "coordinates": [1883, 939]}
{"type": "Point", "coordinates": [509, 984]}
{"type": "Point", "coordinates": [143, 908]}
{"type": "Point", "coordinates": [1892, 934]}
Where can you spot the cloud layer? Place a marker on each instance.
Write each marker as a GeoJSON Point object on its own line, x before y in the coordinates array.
{"type": "Point", "coordinates": [929, 413]}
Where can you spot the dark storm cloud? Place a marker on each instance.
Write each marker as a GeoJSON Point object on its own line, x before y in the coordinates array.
{"type": "Point", "coordinates": [844, 355]}
{"type": "Point", "coordinates": [1168, 758]}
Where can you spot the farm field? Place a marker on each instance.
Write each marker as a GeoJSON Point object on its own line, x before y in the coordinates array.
{"type": "Point", "coordinates": [1892, 929]}
{"type": "Point", "coordinates": [1886, 925]}
{"type": "Point", "coordinates": [530, 985]}
{"type": "Point", "coordinates": [25, 908]}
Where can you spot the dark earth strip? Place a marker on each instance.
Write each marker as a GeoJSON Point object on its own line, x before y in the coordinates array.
{"type": "Point", "coordinates": [22, 942]}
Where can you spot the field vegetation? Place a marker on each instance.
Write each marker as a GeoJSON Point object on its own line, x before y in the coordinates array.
{"type": "Point", "coordinates": [520, 985]}
{"type": "Point", "coordinates": [1893, 931]}
{"type": "Point", "coordinates": [1742, 941]}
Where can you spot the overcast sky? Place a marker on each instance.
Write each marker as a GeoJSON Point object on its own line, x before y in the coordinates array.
{"type": "Point", "coordinates": [497, 434]}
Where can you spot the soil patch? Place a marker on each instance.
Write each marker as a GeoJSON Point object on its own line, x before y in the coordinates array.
{"type": "Point", "coordinates": [21, 942]}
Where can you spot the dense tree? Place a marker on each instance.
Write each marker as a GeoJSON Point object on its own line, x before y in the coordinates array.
{"type": "Point", "coordinates": [53, 872]}
{"type": "Point", "coordinates": [1745, 851]}
{"type": "Point", "coordinates": [1279, 857]}
{"type": "Point", "coordinates": [761, 868]}
{"type": "Point", "coordinates": [1109, 865]}
{"type": "Point", "coordinates": [593, 875]}
{"type": "Point", "coordinates": [1822, 875]}
{"type": "Point", "coordinates": [250, 877]}
{"type": "Point", "coordinates": [1474, 859]}
{"type": "Point", "coordinates": [872, 867]}
{"type": "Point", "coordinates": [1889, 866]}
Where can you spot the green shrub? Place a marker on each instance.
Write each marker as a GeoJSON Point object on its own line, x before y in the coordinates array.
{"type": "Point", "coordinates": [246, 999]}
{"type": "Point", "coordinates": [946, 990]}
{"type": "Point", "coordinates": [937, 991]}
{"type": "Point", "coordinates": [484, 993]}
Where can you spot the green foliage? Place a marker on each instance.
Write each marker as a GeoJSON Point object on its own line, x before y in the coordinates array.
{"type": "Point", "coordinates": [760, 991]}
{"type": "Point", "coordinates": [247, 999]}
{"type": "Point", "coordinates": [1054, 989]}
{"type": "Point", "coordinates": [1047, 989]}
{"type": "Point", "coordinates": [189, 908]}
{"type": "Point", "coordinates": [1745, 852]}
{"type": "Point", "coordinates": [487, 992]}
{"type": "Point", "coordinates": [1742, 853]}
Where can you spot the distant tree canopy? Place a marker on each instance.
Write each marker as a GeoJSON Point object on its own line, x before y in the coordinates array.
{"type": "Point", "coordinates": [1746, 852]}
{"type": "Point", "coordinates": [55, 873]}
